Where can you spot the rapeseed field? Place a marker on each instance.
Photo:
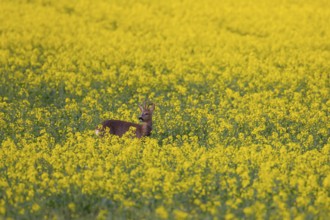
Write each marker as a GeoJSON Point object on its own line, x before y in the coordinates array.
{"type": "Point", "coordinates": [241, 125]}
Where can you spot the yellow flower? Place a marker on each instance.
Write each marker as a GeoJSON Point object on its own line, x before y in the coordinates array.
{"type": "Point", "coordinates": [102, 215]}
{"type": "Point", "coordinates": [161, 212]}
{"type": "Point", "coordinates": [326, 181]}
{"type": "Point", "coordinates": [2, 207]}
{"type": "Point", "coordinates": [180, 215]}
{"type": "Point", "coordinates": [241, 108]}
{"type": "Point", "coordinates": [35, 207]}
{"type": "Point", "coordinates": [72, 207]}
{"type": "Point", "coordinates": [248, 211]}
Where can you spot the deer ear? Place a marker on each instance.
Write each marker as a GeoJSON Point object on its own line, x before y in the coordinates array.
{"type": "Point", "coordinates": [141, 108]}
{"type": "Point", "coordinates": [152, 108]}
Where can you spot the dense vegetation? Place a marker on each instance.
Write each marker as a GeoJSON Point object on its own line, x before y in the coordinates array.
{"type": "Point", "coordinates": [241, 125]}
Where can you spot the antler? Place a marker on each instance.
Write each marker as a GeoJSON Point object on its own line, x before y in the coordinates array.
{"type": "Point", "coordinates": [146, 104]}
{"type": "Point", "coordinates": [143, 105]}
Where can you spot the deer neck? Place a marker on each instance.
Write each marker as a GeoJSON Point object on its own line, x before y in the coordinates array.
{"type": "Point", "coordinates": [146, 128]}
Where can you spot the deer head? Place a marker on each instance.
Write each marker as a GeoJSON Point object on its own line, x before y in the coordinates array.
{"type": "Point", "coordinates": [146, 111]}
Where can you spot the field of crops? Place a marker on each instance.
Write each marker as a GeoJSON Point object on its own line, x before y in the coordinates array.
{"type": "Point", "coordinates": [241, 126]}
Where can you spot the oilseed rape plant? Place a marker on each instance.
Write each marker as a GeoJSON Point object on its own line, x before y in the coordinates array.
{"type": "Point", "coordinates": [241, 126]}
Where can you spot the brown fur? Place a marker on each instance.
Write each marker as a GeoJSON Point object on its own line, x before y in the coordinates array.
{"type": "Point", "coordinates": [119, 128]}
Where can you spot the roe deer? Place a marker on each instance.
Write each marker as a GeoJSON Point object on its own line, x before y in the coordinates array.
{"type": "Point", "coordinates": [119, 128]}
